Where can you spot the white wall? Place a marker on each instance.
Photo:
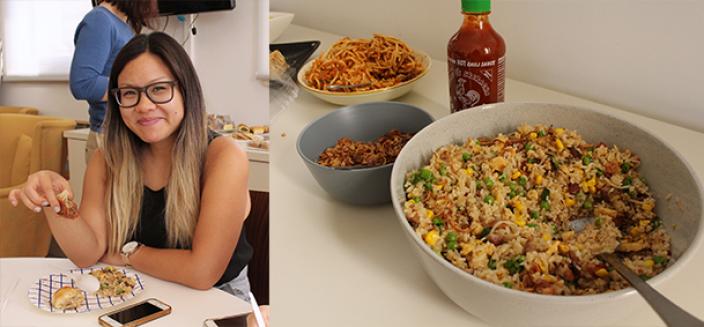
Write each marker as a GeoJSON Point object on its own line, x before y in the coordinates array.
{"type": "Point", "coordinates": [225, 55]}
{"type": "Point", "coordinates": [644, 56]}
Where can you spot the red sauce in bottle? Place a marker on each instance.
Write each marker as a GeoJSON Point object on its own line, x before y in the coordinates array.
{"type": "Point", "coordinates": [476, 59]}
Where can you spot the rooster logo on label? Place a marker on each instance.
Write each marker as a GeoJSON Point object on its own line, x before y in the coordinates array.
{"type": "Point", "coordinates": [468, 98]}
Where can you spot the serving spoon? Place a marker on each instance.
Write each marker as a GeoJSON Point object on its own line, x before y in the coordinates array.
{"type": "Point", "coordinates": [669, 312]}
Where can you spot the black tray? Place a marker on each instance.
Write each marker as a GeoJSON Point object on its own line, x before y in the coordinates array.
{"type": "Point", "coordinates": [295, 53]}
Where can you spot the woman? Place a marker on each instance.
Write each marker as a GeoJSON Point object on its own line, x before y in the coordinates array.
{"type": "Point", "coordinates": [98, 38]}
{"type": "Point", "coordinates": [166, 196]}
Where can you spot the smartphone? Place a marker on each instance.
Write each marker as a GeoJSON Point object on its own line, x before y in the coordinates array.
{"type": "Point", "coordinates": [232, 321]}
{"type": "Point", "coordinates": [136, 314]}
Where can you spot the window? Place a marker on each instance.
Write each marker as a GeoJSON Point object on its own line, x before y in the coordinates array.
{"type": "Point", "coordinates": [37, 37]}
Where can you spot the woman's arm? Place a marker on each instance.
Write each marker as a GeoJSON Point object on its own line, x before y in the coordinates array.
{"type": "Point", "coordinates": [223, 209]}
{"type": "Point", "coordinates": [84, 239]}
{"type": "Point", "coordinates": [93, 43]}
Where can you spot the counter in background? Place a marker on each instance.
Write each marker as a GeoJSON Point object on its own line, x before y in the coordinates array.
{"type": "Point", "coordinates": [345, 265]}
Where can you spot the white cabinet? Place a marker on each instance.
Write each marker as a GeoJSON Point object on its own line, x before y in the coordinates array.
{"type": "Point", "coordinates": [76, 139]}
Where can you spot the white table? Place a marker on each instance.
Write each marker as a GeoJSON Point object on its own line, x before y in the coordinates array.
{"type": "Point", "coordinates": [189, 306]}
{"type": "Point", "coordinates": [341, 265]}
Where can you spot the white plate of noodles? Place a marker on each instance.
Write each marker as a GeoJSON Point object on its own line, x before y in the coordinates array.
{"type": "Point", "coordinates": [382, 68]}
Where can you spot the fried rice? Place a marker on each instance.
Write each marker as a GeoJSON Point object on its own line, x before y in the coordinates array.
{"type": "Point", "coordinates": [499, 208]}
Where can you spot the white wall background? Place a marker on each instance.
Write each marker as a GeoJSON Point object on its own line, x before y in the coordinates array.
{"type": "Point", "coordinates": [224, 55]}
{"type": "Point", "coordinates": [644, 56]}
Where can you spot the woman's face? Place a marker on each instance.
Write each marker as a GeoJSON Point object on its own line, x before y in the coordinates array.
{"type": "Point", "coordinates": [152, 122]}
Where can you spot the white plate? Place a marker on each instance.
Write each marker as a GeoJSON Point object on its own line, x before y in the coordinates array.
{"type": "Point", "coordinates": [350, 98]}
{"type": "Point", "coordinates": [278, 22]}
{"type": "Point", "coordinates": [42, 290]}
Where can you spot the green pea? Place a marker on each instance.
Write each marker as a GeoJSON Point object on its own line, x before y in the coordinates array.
{"type": "Point", "coordinates": [451, 237]}
{"type": "Point", "coordinates": [426, 174]}
{"type": "Point", "coordinates": [659, 260]}
{"type": "Point", "coordinates": [587, 204]}
{"type": "Point", "coordinates": [586, 160]}
{"type": "Point", "coordinates": [485, 231]}
{"type": "Point", "coordinates": [627, 181]}
{"type": "Point", "coordinates": [492, 264]}
{"type": "Point", "coordinates": [443, 170]}
{"type": "Point", "coordinates": [523, 181]}
{"type": "Point", "coordinates": [489, 199]}
{"type": "Point", "coordinates": [541, 133]}
{"type": "Point", "coordinates": [532, 160]}
{"type": "Point", "coordinates": [532, 225]}
{"type": "Point", "coordinates": [502, 178]}
{"type": "Point", "coordinates": [438, 222]}
{"type": "Point", "coordinates": [466, 156]}
{"type": "Point", "coordinates": [598, 222]}
{"type": "Point", "coordinates": [545, 205]}
{"type": "Point", "coordinates": [508, 284]}
{"type": "Point", "coordinates": [529, 146]}
{"type": "Point", "coordinates": [534, 214]}
{"type": "Point", "coordinates": [625, 167]}
{"type": "Point", "coordinates": [489, 183]}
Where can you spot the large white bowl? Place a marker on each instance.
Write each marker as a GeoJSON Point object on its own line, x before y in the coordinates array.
{"type": "Point", "coordinates": [278, 22]}
{"type": "Point", "coordinates": [664, 169]}
{"type": "Point", "coordinates": [351, 98]}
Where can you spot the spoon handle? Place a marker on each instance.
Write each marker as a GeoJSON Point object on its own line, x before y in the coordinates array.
{"type": "Point", "coordinates": [669, 312]}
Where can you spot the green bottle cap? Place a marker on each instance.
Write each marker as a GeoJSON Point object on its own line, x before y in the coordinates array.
{"type": "Point", "coordinates": [476, 6]}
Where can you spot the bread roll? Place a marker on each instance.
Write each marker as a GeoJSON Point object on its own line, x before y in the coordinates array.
{"type": "Point", "coordinates": [67, 298]}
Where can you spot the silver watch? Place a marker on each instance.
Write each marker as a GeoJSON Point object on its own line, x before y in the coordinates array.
{"type": "Point", "coordinates": [128, 249]}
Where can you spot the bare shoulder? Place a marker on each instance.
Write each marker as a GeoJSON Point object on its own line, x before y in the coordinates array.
{"type": "Point", "coordinates": [224, 152]}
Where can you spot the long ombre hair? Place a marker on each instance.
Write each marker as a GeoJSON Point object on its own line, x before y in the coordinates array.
{"type": "Point", "coordinates": [123, 150]}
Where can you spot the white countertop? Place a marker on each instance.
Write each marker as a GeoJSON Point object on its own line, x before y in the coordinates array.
{"type": "Point", "coordinates": [256, 155]}
{"type": "Point", "coordinates": [341, 265]}
{"type": "Point", "coordinates": [189, 307]}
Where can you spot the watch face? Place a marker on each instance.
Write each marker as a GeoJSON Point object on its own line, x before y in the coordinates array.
{"type": "Point", "coordinates": [129, 247]}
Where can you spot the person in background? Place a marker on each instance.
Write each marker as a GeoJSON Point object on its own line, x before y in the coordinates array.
{"type": "Point", "coordinates": [167, 197]}
{"type": "Point", "coordinates": [98, 38]}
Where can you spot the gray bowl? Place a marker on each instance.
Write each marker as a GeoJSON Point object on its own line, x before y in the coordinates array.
{"type": "Point", "coordinates": [665, 170]}
{"type": "Point", "coordinates": [362, 122]}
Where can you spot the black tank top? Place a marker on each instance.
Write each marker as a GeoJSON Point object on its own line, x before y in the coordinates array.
{"type": "Point", "coordinates": [151, 230]}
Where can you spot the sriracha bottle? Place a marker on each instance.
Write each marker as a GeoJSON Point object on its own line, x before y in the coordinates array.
{"type": "Point", "coordinates": [476, 59]}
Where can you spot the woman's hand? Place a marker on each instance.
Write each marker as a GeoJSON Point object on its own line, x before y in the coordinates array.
{"type": "Point", "coordinates": [252, 320]}
{"type": "Point", "coordinates": [40, 191]}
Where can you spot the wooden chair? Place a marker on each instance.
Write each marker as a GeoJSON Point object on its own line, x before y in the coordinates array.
{"type": "Point", "coordinates": [18, 110]}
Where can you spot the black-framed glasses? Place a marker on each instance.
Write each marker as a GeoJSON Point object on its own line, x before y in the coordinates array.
{"type": "Point", "coordinates": [158, 93]}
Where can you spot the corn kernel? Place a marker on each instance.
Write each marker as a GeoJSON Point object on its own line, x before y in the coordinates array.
{"type": "Point", "coordinates": [602, 272]}
{"type": "Point", "coordinates": [543, 266]}
{"type": "Point", "coordinates": [634, 231]}
{"type": "Point", "coordinates": [559, 131]}
{"type": "Point", "coordinates": [569, 202]}
{"type": "Point", "coordinates": [549, 278]}
{"type": "Point", "coordinates": [411, 201]}
{"type": "Point", "coordinates": [518, 205]}
{"type": "Point", "coordinates": [466, 248]}
{"type": "Point", "coordinates": [564, 248]}
{"type": "Point", "coordinates": [470, 172]}
{"type": "Point", "coordinates": [567, 235]}
{"type": "Point", "coordinates": [547, 236]}
{"type": "Point", "coordinates": [429, 213]}
{"type": "Point", "coordinates": [648, 206]}
{"type": "Point", "coordinates": [519, 220]}
{"type": "Point", "coordinates": [553, 247]}
{"type": "Point", "coordinates": [515, 174]}
{"type": "Point", "coordinates": [559, 145]}
{"type": "Point", "coordinates": [533, 135]}
{"type": "Point", "coordinates": [431, 237]}
{"type": "Point", "coordinates": [437, 187]}
{"type": "Point", "coordinates": [539, 179]}
{"type": "Point", "coordinates": [644, 223]}
{"type": "Point", "coordinates": [649, 263]}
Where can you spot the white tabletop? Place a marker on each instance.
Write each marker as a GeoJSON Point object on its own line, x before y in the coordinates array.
{"type": "Point", "coordinates": [189, 306]}
{"type": "Point", "coordinates": [342, 265]}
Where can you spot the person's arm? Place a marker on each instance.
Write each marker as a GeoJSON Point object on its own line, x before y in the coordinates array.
{"type": "Point", "coordinates": [83, 238]}
{"type": "Point", "coordinates": [224, 206]}
{"type": "Point", "coordinates": [93, 43]}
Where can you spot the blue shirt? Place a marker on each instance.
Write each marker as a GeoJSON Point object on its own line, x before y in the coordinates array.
{"type": "Point", "coordinates": [98, 39]}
